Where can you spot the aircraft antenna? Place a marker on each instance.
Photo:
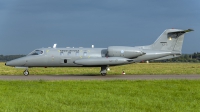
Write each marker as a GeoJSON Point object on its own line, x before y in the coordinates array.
{"type": "Point", "coordinates": [54, 46]}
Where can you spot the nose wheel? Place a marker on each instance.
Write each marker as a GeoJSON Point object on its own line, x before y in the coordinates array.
{"type": "Point", "coordinates": [26, 73]}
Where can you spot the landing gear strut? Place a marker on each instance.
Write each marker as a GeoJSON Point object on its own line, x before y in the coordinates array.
{"type": "Point", "coordinates": [26, 72]}
{"type": "Point", "coordinates": [103, 70]}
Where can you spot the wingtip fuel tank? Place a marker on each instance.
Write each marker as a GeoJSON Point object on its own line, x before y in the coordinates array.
{"type": "Point", "coordinates": [103, 61]}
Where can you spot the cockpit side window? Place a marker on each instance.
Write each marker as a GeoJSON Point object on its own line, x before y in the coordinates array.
{"type": "Point", "coordinates": [37, 52]}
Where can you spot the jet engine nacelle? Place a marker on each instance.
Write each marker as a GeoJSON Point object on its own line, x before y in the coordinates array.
{"type": "Point", "coordinates": [123, 51]}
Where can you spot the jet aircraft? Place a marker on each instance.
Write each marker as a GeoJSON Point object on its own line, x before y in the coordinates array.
{"type": "Point", "coordinates": [168, 45]}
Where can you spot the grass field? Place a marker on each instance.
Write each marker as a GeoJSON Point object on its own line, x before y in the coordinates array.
{"type": "Point", "coordinates": [100, 96]}
{"type": "Point", "coordinates": [135, 69]}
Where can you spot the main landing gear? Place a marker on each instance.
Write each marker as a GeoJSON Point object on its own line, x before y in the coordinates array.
{"type": "Point", "coordinates": [26, 72]}
{"type": "Point", "coordinates": [103, 70]}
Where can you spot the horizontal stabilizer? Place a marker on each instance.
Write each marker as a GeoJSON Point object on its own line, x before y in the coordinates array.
{"type": "Point", "coordinates": [188, 30]}
{"type": "Point", "coordinates": [181, 31]}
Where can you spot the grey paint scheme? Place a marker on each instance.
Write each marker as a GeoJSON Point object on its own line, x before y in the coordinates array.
{"type": "Point", "coordinates": [168, 45]}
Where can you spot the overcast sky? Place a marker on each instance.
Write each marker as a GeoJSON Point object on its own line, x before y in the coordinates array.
{"type": "Point", "coordinates": [26, 25]}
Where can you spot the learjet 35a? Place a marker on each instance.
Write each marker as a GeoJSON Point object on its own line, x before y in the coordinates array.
{"type": "Point", "coordinates": [168, 45]}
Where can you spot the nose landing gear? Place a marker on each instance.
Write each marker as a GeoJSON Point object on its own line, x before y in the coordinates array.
{"type": "Point", "coordinates": [26, 72]}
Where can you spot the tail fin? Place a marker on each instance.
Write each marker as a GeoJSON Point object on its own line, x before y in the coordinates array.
{"type": "Point", "coordinates": [170, 40]}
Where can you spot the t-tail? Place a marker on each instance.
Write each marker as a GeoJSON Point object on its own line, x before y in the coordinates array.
{"type": "Point", "coordinates": [170, 40]}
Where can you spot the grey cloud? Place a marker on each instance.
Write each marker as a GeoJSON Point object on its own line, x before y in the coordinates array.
{"type": "Point", "coordinates": [29, 24]}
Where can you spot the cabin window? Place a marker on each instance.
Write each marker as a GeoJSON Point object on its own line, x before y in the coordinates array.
{"type": "Point", "coordinates": [61, 53]}
{"type": "Point", "coordinates": [69, 53]}
{"type": "Point", "coordinates": [65, 60]}
{"type": "Point", "coordinates": [84, 53]}
{"type": "Point", "coordinates": [77, 53]}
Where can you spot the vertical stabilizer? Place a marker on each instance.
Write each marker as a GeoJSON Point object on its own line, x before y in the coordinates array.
{"type": "Point", "coordinates": [170, 40]}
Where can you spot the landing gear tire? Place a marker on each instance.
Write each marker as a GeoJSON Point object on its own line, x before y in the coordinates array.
{"type": "Point", "coordinates": [103, 74]}
{"type": "Point", "coordinates": [103, 70]}
{"type": "Point", "coordinates": [26, 73]}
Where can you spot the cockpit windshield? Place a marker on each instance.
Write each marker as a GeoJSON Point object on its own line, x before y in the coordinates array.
{"type": "Point", "coordinates": [36, 52]}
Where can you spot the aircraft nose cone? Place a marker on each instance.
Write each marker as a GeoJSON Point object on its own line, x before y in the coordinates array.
{"type": "Point", "coordinates": [9, 63]}
{"type": "Point", "coordinates": [16, 62]}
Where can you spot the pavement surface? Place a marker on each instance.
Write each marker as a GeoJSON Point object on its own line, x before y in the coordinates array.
{"type": "Point", "coordinates": [98, 77]}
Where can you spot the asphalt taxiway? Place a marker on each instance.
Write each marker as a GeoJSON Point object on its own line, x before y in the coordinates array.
{"type": "Point", "coordinates": [98, 77]}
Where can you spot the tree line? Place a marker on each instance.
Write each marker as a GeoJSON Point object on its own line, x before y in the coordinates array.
{"type": "Point", "coordinates": [4, 58]}
{"type": "Point", "coordinates": [192, 58]}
